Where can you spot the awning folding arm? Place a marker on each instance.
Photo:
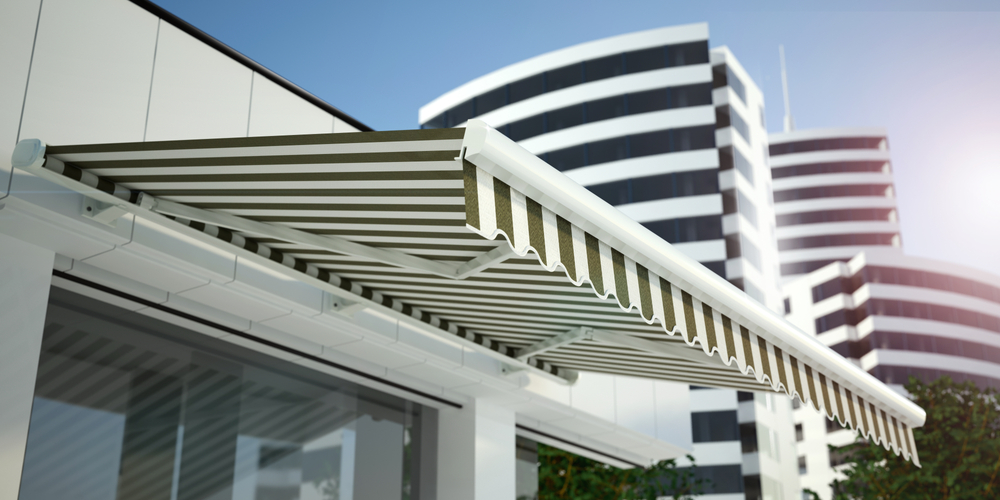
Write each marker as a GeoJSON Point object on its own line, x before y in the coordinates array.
{"type": "Point", "coordinates": [330, 243]}
{"type": "Point", "coordinates": [586, 333]}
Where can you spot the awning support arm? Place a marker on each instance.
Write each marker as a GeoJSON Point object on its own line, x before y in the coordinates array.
{"type": "Point", "coordinates": [331, 243]}
{"type": "Point", "coordinates": [556, 342]}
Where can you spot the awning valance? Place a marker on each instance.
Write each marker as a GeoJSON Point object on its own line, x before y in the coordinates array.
{"type": "Point", "coordinates": [466, 231]}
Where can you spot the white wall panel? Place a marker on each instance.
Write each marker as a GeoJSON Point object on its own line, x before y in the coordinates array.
{"type": "Point", "coordinates": [340, 126]}
{"type": "Point", "coordinates": [90, 73]}
{"type": "Point", "coordinates": [276, 111]}
{"type": "Point", "coordinates": [17, 37]}
{"type": "Point", "coordinates": [197, 91]}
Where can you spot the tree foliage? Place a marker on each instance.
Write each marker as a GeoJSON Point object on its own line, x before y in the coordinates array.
{"type": "Point", "coordinates": [959, 449]}
{"type": "Point", "coordinates": [563, 475]}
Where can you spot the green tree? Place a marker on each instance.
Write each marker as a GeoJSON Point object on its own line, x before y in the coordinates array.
{"type": "Point", "coordinates": [959, 448]}
{"type": "Point", "coordinates": [563, 475]}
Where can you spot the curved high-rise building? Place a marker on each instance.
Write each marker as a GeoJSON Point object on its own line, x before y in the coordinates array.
{"type": "Point", "coordinates": [896, 316]}
{"type": "Point", "coordinates": [671, 133]}
{"type": "Point", "coordinates": [833, 196]}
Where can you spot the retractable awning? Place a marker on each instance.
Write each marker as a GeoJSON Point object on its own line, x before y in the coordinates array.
{"type": "Point", "coordinates": [466, 231]}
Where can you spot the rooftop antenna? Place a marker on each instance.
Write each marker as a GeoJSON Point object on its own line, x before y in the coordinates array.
{"type": "Point", "coordinates": [789, 121]}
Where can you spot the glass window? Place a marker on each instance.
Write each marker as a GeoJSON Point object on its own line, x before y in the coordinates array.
{"type": "Point", "coordinates": [494, 99]}
{"type": "Point", "coordinates": [567, 76]}
{"type": "Point", "coordinates": [645, 59]}
{"type": "Point", "coordinates": [684, 54]}
{"type": "Point", "coordinates": [526, 473]}
{"type": "Point", "coordinates": [650, 143]}
{"type": "Point", "coordinates": [828, 168]}
{"type": "Point", "coordinates": [878, 190]}
{"type": "Point", "coordinates": [747, 208]}
{"type": "Point", "coordinates": [606, 151]}
{"type": "Point", "coordinates": [654, 187]}
{"type": "Point", "coordinates": [748, 437]}
{"type": "Point", "coordinates": [138, 408]}
{"type": "Point", "coordinates": [691, 95]}
{"type": "Point", "coordinates": [714, 426]}
{"type": "Point", "coordinates": [743, 165]}
{"type": "Point", "coordinates": [527, 88]}
{"type": "Point", "coordinates": [666, 229]}
{"type": "Point", "coordinates": [604, 67]}
{"type": "Point", "coordinates": [736, 84]}
{"type": "Point", "coordinates": [826, 144]}
{"type": "Point", "coordinates": [750, 252]}
{"type": "Point", "coordinates": [850, 214]}
{"type": "Point", "coordinates": [605, 109]}
{"type": "Point", "coordinates": [697, 182]}
{"type": "Point", "coordinates": [650, 100]}
{"type": "Point", "coordinates": [460, 114]}
{"type": "Point", "coordinates": [739, 124]}
{"type": "Point", "coordinates": [568, 158]}
{"type": "Point", "coordinates": [528, 127]}
{"type": "Point", "coordinates": [718, 267]}
{"type": "Point", "coordinates": [567, 117]}
{"type": "Point", "coordinates": [615, 193]}
{"type": "Point", "coordinates": [685, 139]}
{"type": "Point", "coordinates": [707, 227]}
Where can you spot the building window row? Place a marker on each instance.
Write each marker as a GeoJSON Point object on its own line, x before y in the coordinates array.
{"type": "Point", "coordinates": [907, 309]}
{"type": "Point", "coordinates": [906, 277]}
{"type": "Point", "coordinates": [726, 116]}
{"type": "Point", "coordinates": [658, 187]}
{"type": "Point", "coordinates": [880, 190]}
{"type": "Point", "coordinates": [792, 268]}
{"type": "Point", "coordinates": [574, 74]}
{"type": "Point", "coordinates": [608, 108]}
{"type": "Point", "coordinates": [632, 146]}
{"type": "Point", "coordinates": [834, 167]}
{"type": "Point", "coordinates": [839, 240]}
{"type": "Point", "coordinates": [828, 144]}
{"type": "Point", "coordinates": [730, 158]}
{"type": "Point", "coordinates": [738, 245]}
{"type": "Point", "coordinates": [902, 374]}
{"type": "Point", "coordinates": [723, 76]}
{"type": "Point", "coordinates": [686, 229]}
{"type": "Point", "coordinates": [899, 341]}
{"type": "Point", "coordinates": [844, 215]}
{"type": "Point", "coordinates": [735, 201]}
{"type": "Point", "coordinates": [714, 426]}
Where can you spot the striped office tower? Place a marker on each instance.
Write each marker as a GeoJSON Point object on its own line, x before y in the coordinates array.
{"type": "Point", "coordinates": [672, 134]}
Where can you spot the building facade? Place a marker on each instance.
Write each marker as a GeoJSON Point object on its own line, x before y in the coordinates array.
{"type": "Point", "coordinates": [833, 196]}
{"type": "Point", "coordinates": [895, 316]}
{"type": "Point", "coordinates": [672, 134]}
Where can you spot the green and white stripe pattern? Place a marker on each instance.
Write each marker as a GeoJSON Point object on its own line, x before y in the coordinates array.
{"type": "Point", "coordinates": [409, 192]}
{"type": "Point", "coordinates": [495, 209]}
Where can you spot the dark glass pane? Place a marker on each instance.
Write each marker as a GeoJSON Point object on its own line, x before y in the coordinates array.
{"type": "Point", "coordinates": [528, 127]}
{"type": "Point", "coordinates": [718, 267]}
{"type": "Point", "coordinates": [739, 124]}
{"type": "Point", "coordinates": [605, 67]}
{"type": "Point", "coordinates": [654, 187]}
{"type": "Point", "coordinates": [752, 255]}
{"type": "Point", "coordinates": [650, 143]}
{"type": "Point", "coordinates": [691, 95]}
{"type": "Point", "coordinates": [714, 426]}
{"type": "Point", "coordinates": [736, 84]}
{"type": "Point", "coordinates": [828, 168]}
{"type": "Point", "coordinates": [666, 229]}
{"type": "Point", "coordinates": [496, 98]}
{"type": "Point", "coordinates": [685, 139]}
{"type": "Point", "coordinates": [605, 109]}
{"type": "Point", "coordinates": [436, 122]}
{"type": "Point", "coordinates": [565, 118]}
{"type": "Point", "coordinates": [615, 193]}
{"type": "Point", "coordinates": [708, 227]}
{"type": "Point", "coordinates": [645, 60]}
{"type": "Point", "coordinates": [606, 151]}
{"type": "Point", "coordinates": [568, 158]}
{"type": "Point", "coordinates": [460, 114]}
{"type": "Point", "coordinates": [743, 165]}
{"type": "Point", "coordinates": [747, 208]}
{"type": "Point", "coordinates": [684, 54]}
{"type": "Point", "coordinates": [527, 88]}
{"type": "Point", "coordinates": [826, 144]}
{"type": "Point", "coordinates": [566, 76]}
{"type": "Point", "coordinates": [697, 182]}
{"type": "Point", "coordinates": [877, 190]}
{"type": "Point", "coordinates": [650, 100]}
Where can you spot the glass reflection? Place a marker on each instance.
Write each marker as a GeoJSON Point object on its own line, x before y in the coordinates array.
{"type": "Point", "coordinates": [128, 407]}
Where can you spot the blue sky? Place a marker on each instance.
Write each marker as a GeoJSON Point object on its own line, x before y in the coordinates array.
{"type": "Point", "coordinates": [928, 71]}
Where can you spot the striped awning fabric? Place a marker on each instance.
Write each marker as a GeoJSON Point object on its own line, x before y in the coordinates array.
{"type": "Point", "coordinates": [465, 231]}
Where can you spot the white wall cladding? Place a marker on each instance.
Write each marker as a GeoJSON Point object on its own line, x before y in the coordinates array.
{"type": "Point", "coordinates": [197, 91]}
{"type": "Point", "coordinates": [17, 32]}
{"type": "Point", "coordinates": [275, 111]}
{"type": "Point", "coordinates": [89, 81]}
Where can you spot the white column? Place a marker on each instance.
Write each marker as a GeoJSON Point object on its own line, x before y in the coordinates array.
{"type": "Point", "coordinates": [476, 453]}
{"type": "Point", "coordinates": [25, 277]}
